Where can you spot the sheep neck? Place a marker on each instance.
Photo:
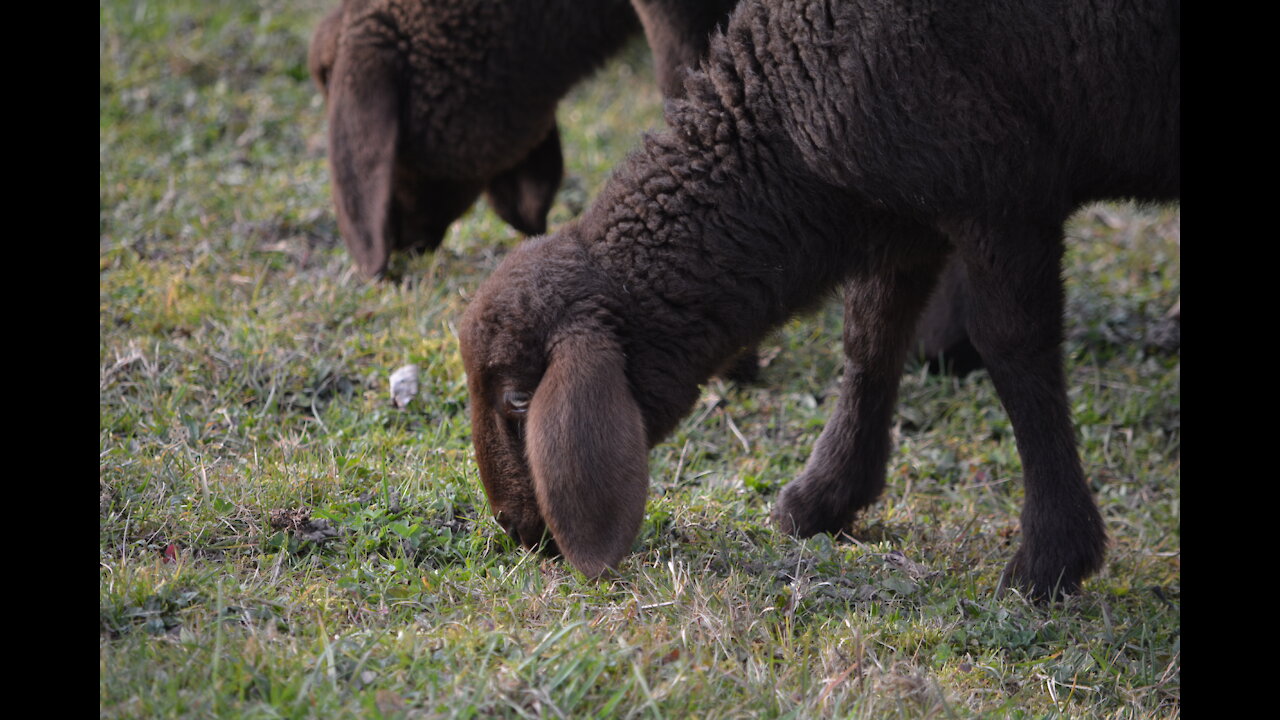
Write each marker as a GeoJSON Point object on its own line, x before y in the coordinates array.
{"type": "Point", "coordinates": [706, 247]}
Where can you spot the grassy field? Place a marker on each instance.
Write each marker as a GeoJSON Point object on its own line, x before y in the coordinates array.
{"type": "Point", "coordinates": [277, 540]}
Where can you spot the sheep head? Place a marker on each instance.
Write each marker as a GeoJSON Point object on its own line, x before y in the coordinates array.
{"type": "Point", "coordinates": [559, 438]}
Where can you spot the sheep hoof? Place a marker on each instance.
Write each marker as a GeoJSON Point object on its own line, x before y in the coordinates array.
{"type": "Point", "coordinates": [797, 514]}
{"type": "Point", "coordinates": [1042, 585]}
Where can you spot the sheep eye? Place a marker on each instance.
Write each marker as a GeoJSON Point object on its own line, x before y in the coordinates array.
{"type": "Point", "coordinates": [517, 402]}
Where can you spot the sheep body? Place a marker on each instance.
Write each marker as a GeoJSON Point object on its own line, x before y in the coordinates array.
{"type": "Point", "coordinates": [823, 144]}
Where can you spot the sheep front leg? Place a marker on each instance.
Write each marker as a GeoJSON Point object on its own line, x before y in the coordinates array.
{"type": "Point", "coordinates": [846, 470]}
{"type": "Point", "coordinates": [1015, 321]}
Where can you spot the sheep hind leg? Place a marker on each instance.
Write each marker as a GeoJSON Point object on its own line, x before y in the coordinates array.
{"type": "Point", "coordinates": [846, 471]}
{"type": "Point", "coordinates": [942, 338]}
{"type": "Point", "coordinates": [1015, 321]}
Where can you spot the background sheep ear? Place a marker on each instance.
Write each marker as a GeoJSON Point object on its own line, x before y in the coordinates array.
{"type": "Point", "coordinates": [588, 454]}
{"type": "Point", "coordinates": [363, 128]}
{"type": "Point", "coordinates": [523, 195]}
{"type": "Point", "coordinates": [324, 49]}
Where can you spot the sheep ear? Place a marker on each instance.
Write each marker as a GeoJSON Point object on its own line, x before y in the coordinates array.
{"type": "Point", "coordinates": [523, 195]}
{"type": "Point", "coordinates": [363, 130]}
{"type": "Point", "coordinates": [588, 454]}
{"type": "Point", "coordinates": [323, 49]}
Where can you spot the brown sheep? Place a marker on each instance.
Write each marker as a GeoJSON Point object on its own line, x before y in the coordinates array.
{"type": "Point", "coordinates": [432, 102]}
{"type": "Point", "coordinates": [857, 143]}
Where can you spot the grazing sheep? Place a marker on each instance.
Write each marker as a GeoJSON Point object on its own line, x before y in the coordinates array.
{"type": "Point", "coordinates": [858, 142]}
{"type": "Point", "coordinates": [432, 102]}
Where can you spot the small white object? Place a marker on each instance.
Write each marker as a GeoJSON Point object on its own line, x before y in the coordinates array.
{"type": "Point", "coordinates": [404, 385]}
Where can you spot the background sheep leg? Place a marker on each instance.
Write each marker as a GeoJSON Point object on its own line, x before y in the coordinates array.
{"type": "Point", "coordinates": [678, 32]}
{"type": "Point", "coordinates": [523, 195]}
{"type": "Point", "coordinates": [1015, 321]}
{"type": "Point", "coordinates": [846, 471]}
{"type": "Point", "coordinates": [942, 339]}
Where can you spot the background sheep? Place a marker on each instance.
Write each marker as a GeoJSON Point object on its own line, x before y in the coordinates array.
{"type": "Point", "coordinates": [432, 103]}
{"type": "Point", "coordinates": [827, 143]}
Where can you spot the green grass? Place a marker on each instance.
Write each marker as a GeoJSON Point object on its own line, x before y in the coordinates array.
{"type": "Point", "coordinates": [243, 410]}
